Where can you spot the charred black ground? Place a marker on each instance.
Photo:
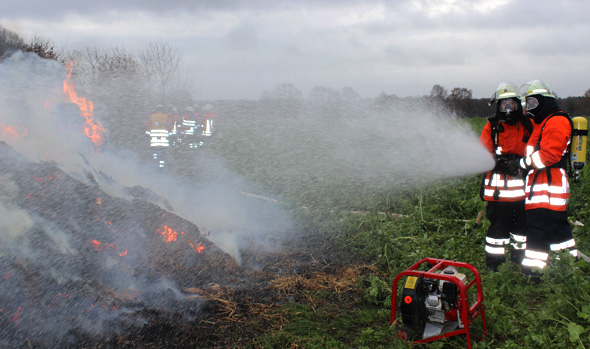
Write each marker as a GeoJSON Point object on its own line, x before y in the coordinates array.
{"type": "Point", "coordinates": [114, 288]}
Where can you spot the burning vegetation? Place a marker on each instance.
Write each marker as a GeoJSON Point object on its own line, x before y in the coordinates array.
{"type": "Point", "coordinates": [82, 267]}
{"type": "Point", "coordinates": [92, 127]}
{"type": "Point", "coordinates": [85, 260]}
{"type": "Point", "coordinates": [88, 269]}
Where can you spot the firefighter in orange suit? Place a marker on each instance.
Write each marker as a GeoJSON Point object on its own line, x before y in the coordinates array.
{"type": "Point", "coordinates": [174, 124]}
{"type": "Point", "coordinates": [189, 128]}
{"type": "Point", "coordinates": [208, 120]}
{"type": "Point", "coordinates": [158, 131]}
{"type": "Point", "coordinates": [547, 188]}
{"type": "Point", "coordinates": [505, 136]}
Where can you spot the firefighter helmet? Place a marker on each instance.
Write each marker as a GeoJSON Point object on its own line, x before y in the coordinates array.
{"type": "Point", "coordinates": [508, 101]}
{"type": "Point", "coordinates": [506, 90]}
{"type": "Point", "coordinates": [189, 109]}
{"type": "Point", "coordinates": [537, 87]}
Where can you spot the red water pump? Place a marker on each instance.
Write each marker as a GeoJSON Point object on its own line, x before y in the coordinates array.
{"type": "Point", "coordinates": [435, 300]}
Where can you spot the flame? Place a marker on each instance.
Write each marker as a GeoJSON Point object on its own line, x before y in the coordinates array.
{"type": "Point", "coordinates": [169, 234]}
{"type": "Point", "coordinates": [98, 201]}
{"type": "Point", "coordinates": [93, 128]}
{"type": "Point", "coordinates": [16, 315]}
{"type": "Point", "coordinates": [198, 248]}
{"type": "Point", "coordinates": [12, 131]}
{"type": "Point", "coordinates": [97, 245]}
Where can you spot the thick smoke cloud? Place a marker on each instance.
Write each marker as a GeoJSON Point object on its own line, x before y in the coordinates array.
{"type": "Point", "coordinates": [383, 147]}
{"type": "Point", "coordinates": [33, 103]}
{"type": "Point", "coordinates": [51, 217]}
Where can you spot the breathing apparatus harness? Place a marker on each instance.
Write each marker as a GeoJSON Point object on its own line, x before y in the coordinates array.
{"type": "Point", "coordinates": [564, 162]}
{"type": "Point", "coordinates": [495, 128]}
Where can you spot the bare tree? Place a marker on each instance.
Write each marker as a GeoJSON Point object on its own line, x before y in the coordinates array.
{"type": "Point", "coordinates": [460, 93]}
{"type": "Point", "coordinates": [160, 65]}
{"type": "Point", "coordinates": [85, 70]}
{"type": "Point", "coordinates": [118, 60]}
{"type": "Point", "coordinates": [42, 47]}
{"type": "Point", "coordinates": [114, 81]}
{"type": "Point", "coordinates": [286, 100]}
{"type": "Point", "coordinates": [93, 64]}
{"type": "Point", "coordinates": [9, 42]}
{"type": "Point", "coordinates": [350, 95]}
{"type": "Point", "coordinates": [587, 93]}
{"type": "Point", "coordinates": [284, 91]}
{"type": "Point", "coordinates": [385, 100]}
{"type": "Point", "coordinates": [438, 92]}
{"type": "Point", "coordinates": [326, 102]}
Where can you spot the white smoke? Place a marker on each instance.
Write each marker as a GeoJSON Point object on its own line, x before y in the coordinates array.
{"type": "Point", "coordinates": [42, 130]}
{"type": "Point", "coordinates": [409, 142]}
{"type": "Point", "coordinates": [14, 224]}
{"type": "Point", "coordinates": [412, 143]}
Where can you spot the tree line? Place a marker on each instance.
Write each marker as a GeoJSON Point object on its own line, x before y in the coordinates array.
{"type": "Point", "coordinates": [126, 86]}
{"type": "Point", "coordinates": [290, 100]}
{"type": "Point", "coordinates": [460, 99]}
{"type": "Point", "coordinates": [11, 42]}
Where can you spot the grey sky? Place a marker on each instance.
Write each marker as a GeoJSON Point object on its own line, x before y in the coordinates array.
{"type": "Point", "coordinates": [237, 49]}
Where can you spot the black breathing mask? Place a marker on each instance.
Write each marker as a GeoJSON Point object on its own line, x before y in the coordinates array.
{"type": "Point", "coordinates": [508, 110]}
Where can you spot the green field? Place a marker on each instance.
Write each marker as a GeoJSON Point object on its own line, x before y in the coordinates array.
{"type": "Point", "coordinates": [401, 225]}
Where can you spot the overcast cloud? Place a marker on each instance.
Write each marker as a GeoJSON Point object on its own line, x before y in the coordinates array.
{"type": "Point", "coordinates": [237, 49]}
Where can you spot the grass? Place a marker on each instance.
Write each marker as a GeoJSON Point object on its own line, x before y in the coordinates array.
{"type": "Point", "coordinates": [402, 226]}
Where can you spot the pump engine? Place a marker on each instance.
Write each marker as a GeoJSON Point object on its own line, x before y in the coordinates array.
{"type": "Point", "coordinates": [434, 304]}
{"type": "Point", "coordinates": [431, 303]}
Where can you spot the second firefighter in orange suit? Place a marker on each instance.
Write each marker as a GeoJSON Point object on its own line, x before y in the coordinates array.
{"type": "Point", "coordinates": [547, 188]}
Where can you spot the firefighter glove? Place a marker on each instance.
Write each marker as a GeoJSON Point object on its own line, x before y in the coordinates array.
{"type": "Point", "coordinates": [513, 167]}
{"type": "Point", "coordinates": [500, 164]}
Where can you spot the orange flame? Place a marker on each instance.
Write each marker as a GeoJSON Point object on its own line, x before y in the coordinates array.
{"type": "Point", "coordinates": [169, 234]}
{"type": "Point", "coordinates": [93, 128]}
{"type": "Point", "coordinates": [97, 245]}
{"type": "Point", "coordinates": [12, 131]}
{"type": "Point", "coordinates": [16, 314]}
{"type": "Point", "coordinates": [198, 248]}
{"type": "Point", "coordinates": [123, 253]}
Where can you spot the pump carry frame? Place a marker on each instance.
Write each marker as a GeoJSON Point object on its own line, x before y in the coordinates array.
{"type": "Point", "coordinates": [465, 313]}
